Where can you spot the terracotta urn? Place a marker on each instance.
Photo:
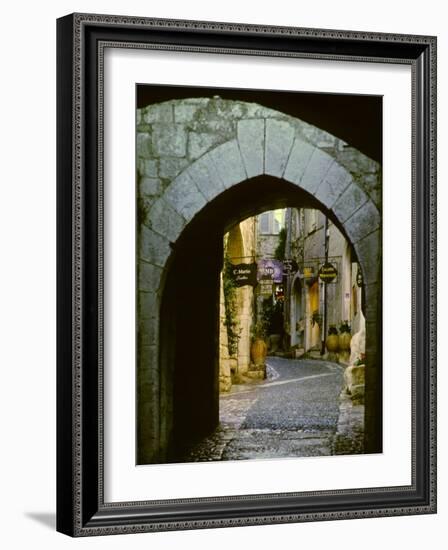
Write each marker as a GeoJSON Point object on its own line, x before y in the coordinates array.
{"type": "Point", "coordinates": [332, 342]}
{"type": "Point", "coordinates": [344, 341]}
{"type": "Point", "coordinates": [258, 351]}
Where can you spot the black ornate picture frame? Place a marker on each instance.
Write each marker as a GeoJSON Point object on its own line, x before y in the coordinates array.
{"type": "Point", "coordinates": [81, 506]}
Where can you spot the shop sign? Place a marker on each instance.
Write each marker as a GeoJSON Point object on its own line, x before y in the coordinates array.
{"type": "Point", "coordinates": [270, 270]}
{"type": "Point", "coordinates": [328, 273]}
{"type": "Point", "coordinates": [244, 274]}
{"type": "Point", "coordinates": [290, 267]}
{"type": "Point", "coordinates": [359, 278]}
{"type": "Point", "coordinates": [265, 288]}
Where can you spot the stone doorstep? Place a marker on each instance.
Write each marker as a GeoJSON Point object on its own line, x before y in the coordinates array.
{"type": "Point", "coordinates": [256, 372]}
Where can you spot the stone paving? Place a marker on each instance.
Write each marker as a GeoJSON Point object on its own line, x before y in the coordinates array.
{"type": "Point", "coordinates": [296, 412]}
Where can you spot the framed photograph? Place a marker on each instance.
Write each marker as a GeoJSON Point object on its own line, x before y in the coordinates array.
{"type": "Point", "coordinates": [246, 274]}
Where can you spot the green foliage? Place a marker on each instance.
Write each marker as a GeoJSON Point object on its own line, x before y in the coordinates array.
{"type": "Point", "coordinates": [231, 320]}
{"type": "Point", "coordinates": [344, 327]}
{"type": "Point", "coordinates": [259, 329]}
{"type": "Point", "coordinates": [332, 329]}
{"type": "Point", "coordinates": [279, 253]}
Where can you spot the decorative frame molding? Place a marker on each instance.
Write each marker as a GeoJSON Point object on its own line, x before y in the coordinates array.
{"type": "Point", "coordinates": [81, 41]}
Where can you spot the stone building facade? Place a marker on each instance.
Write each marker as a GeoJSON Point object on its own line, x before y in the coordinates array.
{"type": "Point", "coordinates": [239, 248]}
{"type": "Point", "coordinates": [306, 245]}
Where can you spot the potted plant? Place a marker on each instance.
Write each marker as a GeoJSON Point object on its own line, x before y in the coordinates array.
{"type": "Point", "coordinates": [344, 336]}
{"type": "Point", "coordinates": [332, 341]}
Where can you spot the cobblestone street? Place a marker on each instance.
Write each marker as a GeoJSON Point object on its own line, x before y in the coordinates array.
{"type": "Point", "coordinates": [293, 413]}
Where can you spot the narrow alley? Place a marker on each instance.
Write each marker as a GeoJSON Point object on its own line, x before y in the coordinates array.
{"type": "Point", "coordinates": [293, 413]}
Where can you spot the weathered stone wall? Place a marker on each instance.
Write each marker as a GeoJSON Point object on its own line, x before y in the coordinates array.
{"type": "Point", "coordinates": [266, 245]}
{"type": "Point", "coordinates": [314, 248]}
{"type": "Point", "coordinates": [190, 152]}
{"type": "Point", "coordinates": [238, 252]}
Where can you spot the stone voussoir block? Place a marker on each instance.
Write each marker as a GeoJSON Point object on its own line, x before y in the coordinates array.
{"type": "Point", "coordinates": [184, 196]}
{"type": "Point", "coordinates": [362, 222]}
{"type": "Point", "coordinates": [200, 143]}
{"type": "Point", "coordinates": [316, 170]}
{"type": "Point", "coordinates": [368, 251]}
{"type": "Point", "coordinates": [170, 167]}
{"type": "Point", "coordinates": [154, 248]}
{"type": "Point", "coordinates": [149, 276]}
{"type": "Point", "coordinates": [148, 304]}
{"type": "Point", "coordinates": [250, 134]}
{"type": "Point", "coordinates": [299, 157]}
{"type": "Point", "coordinates": [148, 331]}
{"type": "Point", "coordinates": [333, 185]}
{"type": "Point", "coordinates": [165, 220]}
{"type": "Point", "coordinates": [372, 293]}
{"type": "Point", "coordinates": [372, 311]}
{"type": "Point", "coordinates": [350, 200]}
{"type": "Point", "coordinates": [278, 143]}
{"type": "Point", "coordinates": [229, 164]}
{"type": "Point", "coordinates": [205, 174]}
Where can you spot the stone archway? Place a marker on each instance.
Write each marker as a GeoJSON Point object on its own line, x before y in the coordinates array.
{"type": "Point", "coordinates": [197, 160]}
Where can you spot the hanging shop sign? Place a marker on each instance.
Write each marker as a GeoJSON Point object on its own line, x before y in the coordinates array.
{"type": "Point", "coordinates": [290, 267]}
{"type": "Point", "coordinates": [244, 274]}
{"type": "Point", "coordinates": [359, 277]}
{"type": "Point", "coordinates": [265, 288]}
{"type": "Point", "coordinates": [328, 273]}
{"type": "Point", "coordinates": [270, 270]}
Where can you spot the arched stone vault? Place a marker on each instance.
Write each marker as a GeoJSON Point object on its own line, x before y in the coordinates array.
{"type": "Point", "coordinates": [190, 152]}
